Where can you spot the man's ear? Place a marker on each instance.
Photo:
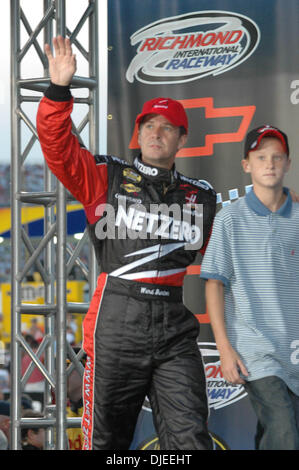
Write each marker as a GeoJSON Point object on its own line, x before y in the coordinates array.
{"type": "Point", "coordinates": [182, 141]}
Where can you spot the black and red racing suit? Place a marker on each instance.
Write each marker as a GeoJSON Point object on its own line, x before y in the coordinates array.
{"type": "Point", "coordinates": [139, 338]}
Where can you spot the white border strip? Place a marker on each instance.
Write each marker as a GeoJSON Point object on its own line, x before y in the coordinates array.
{"type": "Point", "coordinates": [103, 74]}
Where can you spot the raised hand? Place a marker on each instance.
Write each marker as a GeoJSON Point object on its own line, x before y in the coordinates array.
{"type": "Point", "coordinates": [63, 66]}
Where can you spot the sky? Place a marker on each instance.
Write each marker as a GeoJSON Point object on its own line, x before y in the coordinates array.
{"type": "Point", "coordinates": [5, 83]}
{"type": "Point", "coordinates": [30, 68]}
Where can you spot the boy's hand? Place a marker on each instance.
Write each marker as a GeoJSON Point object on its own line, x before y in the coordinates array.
{"type": "Point", "coordinates": [294, 196]}
{"type": "Point", "coordinates": [232, 366]}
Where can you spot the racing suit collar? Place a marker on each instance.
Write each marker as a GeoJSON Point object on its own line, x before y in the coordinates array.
{"type": "Point", "coordinates": [155, 173]}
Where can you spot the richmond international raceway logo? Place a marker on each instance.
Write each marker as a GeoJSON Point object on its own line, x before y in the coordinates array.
{"type": "Point", "coordinates": [187, 47]}
{"type": "Point", "coordinates": [220, 393]}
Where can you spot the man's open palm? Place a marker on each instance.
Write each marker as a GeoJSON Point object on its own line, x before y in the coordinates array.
{"type": "Point", "coordinates": [63, 66]}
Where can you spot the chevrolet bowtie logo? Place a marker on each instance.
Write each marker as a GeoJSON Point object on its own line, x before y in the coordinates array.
{"type": "Point", "coordinates": [245, 112]}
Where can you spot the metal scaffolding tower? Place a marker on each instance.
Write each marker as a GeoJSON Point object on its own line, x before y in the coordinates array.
{"type": "Point", "coordinates": [52, 261]}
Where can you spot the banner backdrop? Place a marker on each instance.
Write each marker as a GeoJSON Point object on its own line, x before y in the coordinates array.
{"type": "Point", "coordinates": [234, 65]}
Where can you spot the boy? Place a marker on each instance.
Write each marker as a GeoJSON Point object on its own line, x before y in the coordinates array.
{"type": "Point", "coordinates": [252, 291]}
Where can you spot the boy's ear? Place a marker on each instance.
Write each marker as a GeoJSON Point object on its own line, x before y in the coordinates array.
{"type": "Point", "coordinates": [245, 164]}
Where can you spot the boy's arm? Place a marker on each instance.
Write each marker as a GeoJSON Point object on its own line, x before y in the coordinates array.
{"type": "Point", "coordinates": [231, 364]}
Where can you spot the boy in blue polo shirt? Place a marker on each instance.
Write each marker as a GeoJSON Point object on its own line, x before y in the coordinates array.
{"type": "Point", "coordinates": [252, 291]}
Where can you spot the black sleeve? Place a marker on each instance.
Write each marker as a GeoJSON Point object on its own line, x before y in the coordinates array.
{"type": "Point", "coordinates": [58, 92]}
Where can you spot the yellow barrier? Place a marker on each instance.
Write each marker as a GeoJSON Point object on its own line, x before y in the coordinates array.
{"type": "Point", "coordinates": [33, 293]}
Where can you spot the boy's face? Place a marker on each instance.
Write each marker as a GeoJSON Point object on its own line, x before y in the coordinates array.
{"type": "Point", "coordinates": [268, 164]}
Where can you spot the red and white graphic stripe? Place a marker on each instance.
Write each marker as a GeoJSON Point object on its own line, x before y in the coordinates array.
{"type": "Point", "coordinates": [89, 329]}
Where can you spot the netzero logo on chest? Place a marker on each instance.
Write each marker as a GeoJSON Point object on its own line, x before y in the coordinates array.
{"type": "Point", "coordinates": [159, 221]}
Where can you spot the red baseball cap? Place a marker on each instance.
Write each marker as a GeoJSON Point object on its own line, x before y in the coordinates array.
{"type": "Point", "coordinates": [255, 136]}
{"type": "Point", "coordinates": [167, 107]}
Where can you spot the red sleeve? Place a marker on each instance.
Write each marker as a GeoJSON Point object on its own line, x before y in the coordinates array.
{"type": "Point", "coordinates": [73, 165]}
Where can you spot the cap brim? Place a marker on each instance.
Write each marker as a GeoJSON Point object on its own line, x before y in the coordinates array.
{"type": "Point", "coordinates": [143, 115]}
{"type": "Point", "coordinates": [273, 133]}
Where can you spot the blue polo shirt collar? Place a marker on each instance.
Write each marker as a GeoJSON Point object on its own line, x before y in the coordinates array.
{"type": "Point", "coordinates": [260, 209]}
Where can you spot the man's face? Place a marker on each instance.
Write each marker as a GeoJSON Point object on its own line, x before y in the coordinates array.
{"type": "Point", "coordinates": [159, 141]}
{"type": "Point", "coordinates": [268, 164]}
